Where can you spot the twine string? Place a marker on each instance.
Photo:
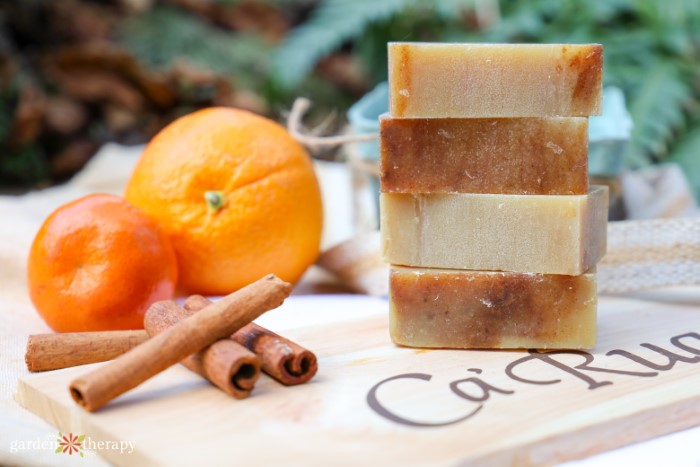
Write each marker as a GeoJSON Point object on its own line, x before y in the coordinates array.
{"type": "Point", "coordinates": [313, 141]}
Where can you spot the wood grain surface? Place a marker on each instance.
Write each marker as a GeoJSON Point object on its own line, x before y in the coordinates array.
{"type": "Point", "coordinates": [375, 403]}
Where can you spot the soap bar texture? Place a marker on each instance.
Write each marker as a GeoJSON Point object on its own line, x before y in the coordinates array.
{"type": "Point", "coordinates": [543, 156]}
{"type": "Point", "coordinates": [548, 234]}
{"type": "Point", "coordinates": [443, 308]}
{"type": "Point", "coordinates": [441, 80]}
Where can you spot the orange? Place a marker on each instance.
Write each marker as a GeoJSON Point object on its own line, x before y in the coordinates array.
{"type": "Point", "coordinates": [97, 263]}
{"type": "Point", "coordinates": [236, 194]}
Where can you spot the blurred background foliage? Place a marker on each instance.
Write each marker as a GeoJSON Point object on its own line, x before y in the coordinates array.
{"type": "Point", "coordinates": [77, 73]}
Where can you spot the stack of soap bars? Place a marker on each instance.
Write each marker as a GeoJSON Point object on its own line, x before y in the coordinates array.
{"type": "Point", "coordinates": [488, 222]}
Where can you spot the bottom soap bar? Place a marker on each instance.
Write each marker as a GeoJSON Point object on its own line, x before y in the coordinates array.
{"type": "Point", "coordinates": [460, 309]}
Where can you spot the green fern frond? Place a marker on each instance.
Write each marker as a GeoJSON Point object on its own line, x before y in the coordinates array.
{"type": "Point", "coordinates": [451, 9]}
{"type": "Point", "coordinates": [26, 165]}
{"type": "Point", "coordinates": [332, 23]}
{"type": "Point", "coordinates": [686, 152]}
{"type": "Point", "coordinates": [165, 34]}
{"type": "Point", "coordinates": [658, 112]}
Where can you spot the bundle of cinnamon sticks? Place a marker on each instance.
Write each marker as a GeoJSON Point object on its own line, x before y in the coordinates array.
{"type": "Point", "coordinates": [214, 339]}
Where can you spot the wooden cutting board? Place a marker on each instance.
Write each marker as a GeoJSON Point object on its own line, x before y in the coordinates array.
{"type": "Point", "coordinates": [373, 402]}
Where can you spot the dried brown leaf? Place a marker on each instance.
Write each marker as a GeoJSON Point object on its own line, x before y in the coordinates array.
{"type": "Point", "coordinates": [64, 115]}
{"type": "Point", "coordinates": [27, 122]}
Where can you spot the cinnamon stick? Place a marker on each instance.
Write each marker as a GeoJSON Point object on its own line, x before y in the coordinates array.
{"type": "Point", "coordinates": [190, 335]}
{"type": "Point", "coordinates": [54, 351]}
{"type": "Point", "coordinates": [227, 364]}
{"type": "Point", "coordinates": [284, 360]}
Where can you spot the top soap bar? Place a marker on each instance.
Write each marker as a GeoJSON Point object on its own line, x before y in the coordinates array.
{"type": "Point", "coordinates": [438, 80]}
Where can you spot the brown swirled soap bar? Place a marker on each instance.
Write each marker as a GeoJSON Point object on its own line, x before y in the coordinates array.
{"type": "Point", "coordinates": [537, 156]}
{"type": "Point", "coordinates": [494, 80]}
{"type": "Point", "coordinates": [441, 308]}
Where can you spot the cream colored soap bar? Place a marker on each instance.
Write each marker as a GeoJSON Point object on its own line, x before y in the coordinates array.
{"type": "Point", "coordinates": [491, 310]}
{"type": "Point", "coordinates": [548, 234]}
{"type": "Point", "coordinates": [440, 80]}
{"type": "Point", "coordinates": [541, 156]}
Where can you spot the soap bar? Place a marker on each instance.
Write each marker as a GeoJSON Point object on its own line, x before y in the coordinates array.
{"type": "Point", "coordinates": [495, 80]}
{"type": "Point", "coordinates": [543, 156]}
{"type": "Point", "coordinates": [488, 310]}
{"type": "Point", "coordinates": [548, 234]}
